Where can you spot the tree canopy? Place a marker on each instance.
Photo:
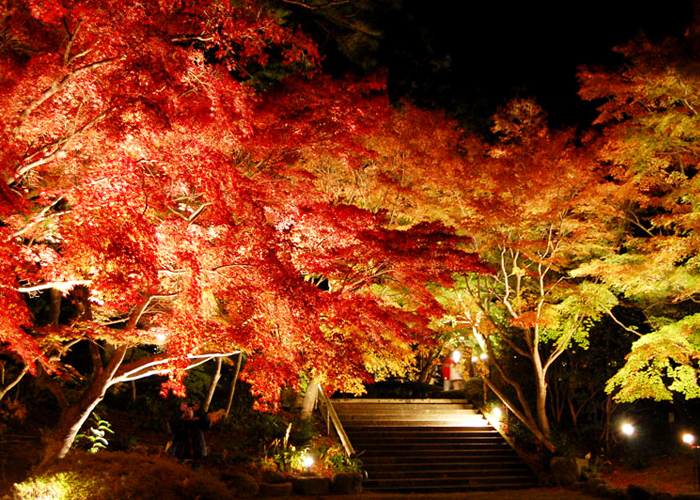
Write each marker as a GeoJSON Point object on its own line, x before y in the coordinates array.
{"type": "Point", "coordinates": [191, 181]}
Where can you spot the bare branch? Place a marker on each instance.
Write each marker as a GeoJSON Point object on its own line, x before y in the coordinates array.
{"type": "Point", "coordinates": [145, 368]}
{"type": "Point", "coordinates": [12, 384]}
{"type": "Point", "coordinates": [59, 85]}
{"type": "Point", "coordinates": [61, 285]}
{"type": "Point", "coordinates": [59, 147]}
{"type": "Point", "coordinates": [37, 219]}
{"type": "Point", "coordinates": [610, 313]}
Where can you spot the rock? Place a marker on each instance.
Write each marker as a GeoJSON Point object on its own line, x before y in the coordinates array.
{"type": "Point", "coordinates": [564, 471]}
{"type": "Point", "coordinates": [582, 465]}
{"type": "Point", "coordinates": [593, 484]}
{"type": "Point", "coordinates": [244, 484]}
{"type": "Point", "coordinates": [276, 489]}
{"type": "Point", "coordinates": [347, 483]}
{"type": "Point", "coordinates": [605, 490]}
{"type": "Point", "coordinates": [636, 492]}
{"type": "Point", "coordinates": [312, 485]}
{"type": "Point", "coordinates": [274, 477]}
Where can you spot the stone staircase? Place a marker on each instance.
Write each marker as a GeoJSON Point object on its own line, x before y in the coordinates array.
{"type": "Point", "coordinates": [429, 446]}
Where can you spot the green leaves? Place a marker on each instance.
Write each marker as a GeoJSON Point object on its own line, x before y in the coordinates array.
{"type": "Point", "coordinates": [661, 363]}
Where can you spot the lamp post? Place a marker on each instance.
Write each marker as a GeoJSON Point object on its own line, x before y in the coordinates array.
{"type": "Point", "coordinates": [689, 439]}
{"type": "Point", "coordinates": [630, 431]}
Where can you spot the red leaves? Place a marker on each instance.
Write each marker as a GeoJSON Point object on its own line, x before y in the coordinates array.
{"type": "Point", "coordinates": [146, 169]}
{"type": "Point", "coordinates": [49, 11]}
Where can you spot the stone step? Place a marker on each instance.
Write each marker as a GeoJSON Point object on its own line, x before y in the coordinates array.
{"type": "Point", "coordinates": [409, 451]}
{"type": "Point", "coordinates": [446, 484]}
{"type": "Point", "coordinates": [388, 402]}
{"type": "Point", "coordinates": [413, 423]}
{"type": "Point", "coordinates": [430, 446]}
{"type": "Point", "coordinates": [478, 462]}
{"type": "Point", "coordinates": [482, 456]}
{"type": "Point", "coordinates": [364, 412]}
{"type": "Point", "coordinates": [426, 430]}
{"type": "Point", "coordinates": [447, 472]}
{"type": "Point", "coordinates": [423, 446]}
{"type": "Point", "coordinates": [427, 440]}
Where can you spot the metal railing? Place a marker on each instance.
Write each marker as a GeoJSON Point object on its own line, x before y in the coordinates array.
{"type": "Point", "coordinates": [328, 412]}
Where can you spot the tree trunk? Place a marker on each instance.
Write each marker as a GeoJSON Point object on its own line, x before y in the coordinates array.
{"type": "Point", "coordinates": [233, 384]}
{"type": "Point", "coordinates": [541, 396]}
{"type": "Point", "coordinates": [309, 403]}
{"type": "Point", "coordinates": [212, 386]}
{"type": "Point", "coordinates": [73, 418]}
{"type": "Point", "coordinates": [542, 419]}
{"type": "Point", "coordinates": [531, 425]}
{"type": "Point", "coordinates": [55, 302]}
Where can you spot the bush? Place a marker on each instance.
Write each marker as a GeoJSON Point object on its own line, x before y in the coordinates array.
{"type": "Point", "coordinates": [121, 476]}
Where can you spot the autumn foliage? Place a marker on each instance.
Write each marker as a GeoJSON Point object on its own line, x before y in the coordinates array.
{"type": "Point", "coordinates": [187, 177]}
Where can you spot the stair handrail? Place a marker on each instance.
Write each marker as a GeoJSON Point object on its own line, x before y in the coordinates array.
{"type": "Point", "coordinates": [337, 424]}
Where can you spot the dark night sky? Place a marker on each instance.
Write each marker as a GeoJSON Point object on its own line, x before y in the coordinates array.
{"type": "Point", "coordinates": [470, 57]}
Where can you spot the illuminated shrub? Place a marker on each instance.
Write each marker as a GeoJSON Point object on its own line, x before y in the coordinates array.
{"type": "Point", "coordinates": [120, 475]}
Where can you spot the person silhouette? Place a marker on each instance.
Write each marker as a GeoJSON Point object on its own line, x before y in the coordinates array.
{"type": "Point", "coordinates": [187, 428]}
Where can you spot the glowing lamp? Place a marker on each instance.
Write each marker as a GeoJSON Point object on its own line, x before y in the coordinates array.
{"type": "Point", "coordinates": [688, 439]}
{"type": "Point", "coordinates": [474, 359]}
{"type": "Point", "coordinates": [160, 337]}
{"type": "Point", "coordinates": [483, 356]}
{"type": "Point", "coordinates": [628, 429]}
{"type": "Point", "coordinates": [307, 461]}
{"type": "Point", "coordinates": [456, 356]}
{"type": "Point", "coordinates": [497, 413]}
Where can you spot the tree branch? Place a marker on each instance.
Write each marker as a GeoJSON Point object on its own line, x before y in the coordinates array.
{"type": "Point", "coordinates": [147, 367]}
{"type": "Point", "coordinates": [57, 86]}
{"type": "Point", "coordinates": [61, 285]}
{"type": "Point", "coordinates": [610, 313]}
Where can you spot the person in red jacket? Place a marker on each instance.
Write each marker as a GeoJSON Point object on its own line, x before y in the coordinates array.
{"type": "Point", "coordinates": [452, 379]}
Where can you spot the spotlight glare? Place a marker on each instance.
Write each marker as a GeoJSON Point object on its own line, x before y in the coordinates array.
{"type": "Point", "coordinates": [688, 438]}
{"type": "Point", "coordinates": [307, 461]}
{"type": "Point", "coordinates": [628, 429]}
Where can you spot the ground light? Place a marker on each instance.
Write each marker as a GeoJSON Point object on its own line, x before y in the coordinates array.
{"type": "Point", "coordinates": [630, 432]}
{"type": "Point", "coordinates": [496, 416]}
{"type": "Point", "coordinates": [307, 461]}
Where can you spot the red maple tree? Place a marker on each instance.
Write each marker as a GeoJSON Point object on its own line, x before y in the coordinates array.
{"type": "Point", "coordinates": [147, 178]}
